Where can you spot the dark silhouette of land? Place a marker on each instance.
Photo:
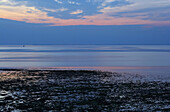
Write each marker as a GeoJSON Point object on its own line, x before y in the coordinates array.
{"type": "Point", "coordinates": [76, 91]}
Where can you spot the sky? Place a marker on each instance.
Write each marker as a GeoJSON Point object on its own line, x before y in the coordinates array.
{"type": "Point", "coordinates": [84, 22]}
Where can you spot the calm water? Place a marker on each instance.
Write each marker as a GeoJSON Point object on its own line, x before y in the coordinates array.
{"type": "Point", "coordinates": [147, 59]}
{"type": "Point", "coordinates": [85, 56]}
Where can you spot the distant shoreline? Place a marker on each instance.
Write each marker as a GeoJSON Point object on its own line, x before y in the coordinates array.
{"type": "Point", "coordinates": [77, 44]}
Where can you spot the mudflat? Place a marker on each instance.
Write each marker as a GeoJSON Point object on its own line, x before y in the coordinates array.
{"type": "Point", "coordinates": [80, 90]}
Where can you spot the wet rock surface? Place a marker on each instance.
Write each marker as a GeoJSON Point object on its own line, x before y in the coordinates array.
{"type": "Point", "coordinates": [77, 91]}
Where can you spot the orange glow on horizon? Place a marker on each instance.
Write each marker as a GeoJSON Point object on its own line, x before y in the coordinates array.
{"type": "Point", "coordinates": [22, 13]}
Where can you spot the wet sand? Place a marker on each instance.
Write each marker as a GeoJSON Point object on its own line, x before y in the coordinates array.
{"type": "Point", "coordinates": [80, 90]}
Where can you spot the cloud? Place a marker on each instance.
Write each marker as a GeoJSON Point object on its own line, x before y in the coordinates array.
{"type": "Point", "coordinates": [24, 13]}
{"type": "Point", "coordinates": [77, 12]}
{"type": "Point", "coordinates": [58, 1]}
{"type": "Point", "coordinates": [72, 2]}
{"type": "Point", "coordinates": [11, 2]}
{"type": "Point", "coordinates": [55, 10]}
{"type": "Point", "coordinates": [136, 13]}
{"type": "Point", "coordinates": [107, 1]}
{"type": "Point", "coordinates": [136, 5]}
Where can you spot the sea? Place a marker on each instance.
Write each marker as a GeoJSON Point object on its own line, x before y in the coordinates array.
{"type": "Point", "coordinates": [123, 58]}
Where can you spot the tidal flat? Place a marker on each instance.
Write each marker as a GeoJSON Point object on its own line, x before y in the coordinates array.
{"type": "Point", "coordinates": [80, 91]}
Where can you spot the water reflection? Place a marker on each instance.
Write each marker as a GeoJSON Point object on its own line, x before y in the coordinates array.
{"type": "Point", "coordinates": [80, 91]}
{"type": "Point", "coordinates": [84, 55]}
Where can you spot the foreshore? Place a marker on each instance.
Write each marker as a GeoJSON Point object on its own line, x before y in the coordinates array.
{"type": "Point", "coordinates": [80, 90]}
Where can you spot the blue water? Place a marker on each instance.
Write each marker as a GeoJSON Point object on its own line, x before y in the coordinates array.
{"type": "Point", "coordinates": [144, 59]}
{"type": "Point", "coordinates": [84, 55]}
